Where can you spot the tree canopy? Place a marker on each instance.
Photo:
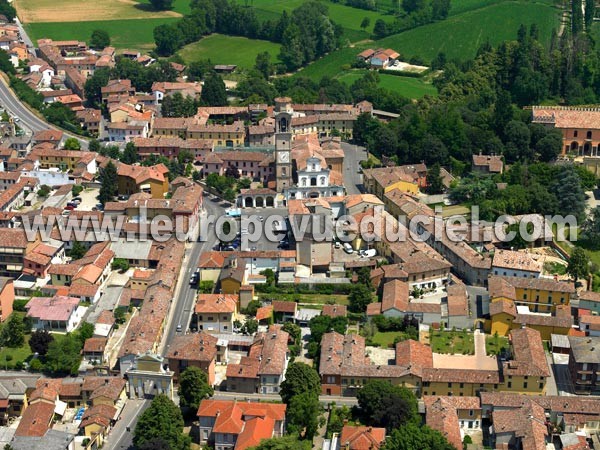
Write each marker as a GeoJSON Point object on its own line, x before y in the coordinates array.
{"type": "Point", "coordinates": [299, 378]}
{"type": "Point", "coordinates": [385, 405]}
{"type": "Point", "coordinates": [162, 420]}
{"type": "Point", "coordinates": [193, 388]}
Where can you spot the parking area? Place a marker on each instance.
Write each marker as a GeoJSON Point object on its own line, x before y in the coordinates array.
{"type": "Point", "coordinates": [88, 199]}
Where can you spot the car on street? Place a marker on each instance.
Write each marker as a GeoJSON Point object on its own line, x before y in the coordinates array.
{"type": "Point", "coordinates": [179, 328]}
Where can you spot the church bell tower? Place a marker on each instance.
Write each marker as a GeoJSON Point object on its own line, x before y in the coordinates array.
{"type": "Point", "coordinates": [283, 143]}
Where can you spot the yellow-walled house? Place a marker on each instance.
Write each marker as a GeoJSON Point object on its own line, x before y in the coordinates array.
{"type": "Point", "coordinates": [506, 316]}
{"type": "Point", "coordinates": [134, 179]}
{"type": "Point", "coordinates": [459, 382]}
{"type": "Point", "coordinates": [538, 294]}
{"type": "Point", "coordinates": [233, 276]}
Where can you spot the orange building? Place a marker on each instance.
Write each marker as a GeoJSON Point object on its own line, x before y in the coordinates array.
{"type": "Point", "coordinates": [7, 297]}
{"type": "Point", "coordinates": [579, 126]}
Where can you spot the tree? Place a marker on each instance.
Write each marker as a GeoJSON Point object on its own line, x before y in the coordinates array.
{"type": "Point", "coordinates": [294, 331]}
{"type": "Point", "coordinates": [76, 190]}
{"type": "Point", "coordinates": [380, 29]}
{"type": "Point", "coordinates": [579, 263]}
{"type": "Point", "coordinates": [64, 355]}
{"type": "Point", "coordinates": [283, 443]}
{"type": "Point", "coordinates": [161, 5]}
{"type": "Point", "coordinates": [162, 420]}
{"type": "Point", "coordinates": [167, 38]}
{"type": "Point", "coordinates": [13, 332]}
{"type": "Point", "coordinates": [213, 91]}
{"type": "Point", "coordinates": [365, 23]}
{"type": "Point", "coordinates": [93, 92]}
{"type": "Point", "coordinates": [299, 378]}
{"type": "Point", "coordinates": [569, 192]}
{"type": "Point", "coordinates": [590, 231]}
{"type": "Point", "coordinates": [250, 326]}
{"type": "Point", "coordinates": [94, 144]}
{"type": "Point", "coordinates": [77, 251]}
{"type": "Point", "coordinates": [130, 154]}
{"type": "Point", "coordinates": [440, 9]}
{"type": "Point", "coordinates": [263, 64]}
{"type": "Point", "coordinates": [72, 144]}
{"type": "Point", "coordinates": [413, 437]}
{"type": "Point", "coordinates": [360, 296]}
{"type": "Point", "coordinates": [435, 184]}
{"type": "Point", "coordinates": [5, 63]}
{"type": "Point", "coordinates": [109, 186]}
{"type": "Point", "coordinates": [413, 5]}
{"type": "Point", "coordinates": [120, 264]}
{"type": "Point", "coordinates": [193, 388]}
{"type": "Point", "coordinates": [303, 415]}
{"type": "Point", "coordinates": [40, 341]}
{"type": "Point", "coordinates": [385, 405]}
{"type": "Point", "coordinates": [85, 331]}
{"type": "Point", "coordinates": [100, 39]}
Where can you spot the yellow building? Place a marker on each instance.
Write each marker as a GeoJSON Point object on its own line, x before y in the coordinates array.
{"type": "Point", "coordinates": [407, 179]}
{"type": "Point", "coordinates": [134, 179]}
{"type": "Point", "coordinates": [66, 160]}
{"type": "Point", "coordinates": [504, 317]}
{"type": "Point", "coordinates": [233, 275]}
{"type": "Point", "coordinates": [222, 135]}
{"type": "Point", "coordinates": [526, 372]}
{"type": "Point", "coordinates": [538, 294]}
{"type": "Point", "coordinates": [459, 382]}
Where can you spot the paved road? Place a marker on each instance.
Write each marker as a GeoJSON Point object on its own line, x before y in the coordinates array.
{"type": "Point", "coordinates": [28, 120]}
{"type": "Point", "coordinates": [353, 154]}
{"type": "Point", "coordinates": [181, 313]}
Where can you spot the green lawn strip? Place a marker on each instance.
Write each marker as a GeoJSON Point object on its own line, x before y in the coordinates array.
{"type": "Point", "coordinates": [386, 339]}
{"type": "Point", "coordinates": [132, 34]}
{"type": "Point", "coordinates": [221, 49]}
{"type": "Point", "coordinates": [307, 298]}
{"type": "Point", "coordinates": [405, 86]}
{"type": "Point", "coordinates": [452, 342]}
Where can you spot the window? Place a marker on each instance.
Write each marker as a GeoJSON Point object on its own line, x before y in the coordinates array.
{"type": "Point", "coordinates": [462, 385]}
{"type": "Point", "coordinates": [509, 384]}
{"type": "Point", "coordinates": [471, 413]}
{"type": "Point", "coordinates": [525, 385]}
{"type": "Point", "coordinates": [449, 385]}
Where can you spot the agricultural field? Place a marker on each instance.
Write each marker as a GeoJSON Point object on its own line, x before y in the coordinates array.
{"type": "Point", "coordinates": [406, 86]}
{"type": "Point", "coordinates": [133, 34]}
{"type": "Point", "coordinates": [39, 11]}
{"type": "Point", "coordinates": [461, 35]}
{"type": "Point", "coordinates": [221, 49]}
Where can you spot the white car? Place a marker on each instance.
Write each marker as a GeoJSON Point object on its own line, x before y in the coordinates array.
{"type": "Point", "coordinates": [348, 248]}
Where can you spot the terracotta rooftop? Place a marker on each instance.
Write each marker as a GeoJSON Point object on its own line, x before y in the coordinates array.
{"type": "Point", "coordinates": [193, 347]}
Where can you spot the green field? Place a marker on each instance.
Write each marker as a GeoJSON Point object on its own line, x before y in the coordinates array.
{"type": "Point", "coordinates": [221, 49]}
{"type": "Point", "coordinates": [405, 86]}
{"type": "Point", "coordinates": [461, 35]}
{"type": "Point", "coordinates": [134, 34]}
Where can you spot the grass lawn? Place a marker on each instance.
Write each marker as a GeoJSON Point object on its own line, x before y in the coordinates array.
{"type": "Point", "coordinates": [495, 344]}
{"type": "Point", "coordinates": [133, 34]}
{"type": "Point", "coordinates": [223, 49]}
{"type": "Point", "coordinates": [22, 354]}
{"type": "Point", "coordinates": [406, 86]}
{"type": "Point", "coordinates": [453, 342]}
{"type": "Point", "coordinates": [461, 35]}
{"type": "Point", "coordinates": [315, 298]}
{"type": "Point", "coordinates": [386, 339]}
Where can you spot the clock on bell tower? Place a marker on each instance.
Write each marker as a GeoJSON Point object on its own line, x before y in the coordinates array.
{"type": "Point", "coordinates": [283, 148]}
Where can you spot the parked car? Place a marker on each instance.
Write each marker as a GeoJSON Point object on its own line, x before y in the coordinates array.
{"type": "Point", "coordinates": [348, 248]}
{"type": "Point", "coordinates": [337, 244]}
{"type": "Point", "coordinates": [69, 208]}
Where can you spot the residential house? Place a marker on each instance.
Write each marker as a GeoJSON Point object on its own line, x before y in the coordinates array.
{"type": "Point", "coordinates": [510, 263]}
{"type": "Point", "coordinates": [58, 313]}
{"type": "Point", "coordinates": [133, 179]}
{"type": "Point", "coordinates": [358, 437]}
{"type": "Point", "coordinates": [92, 269]}
{"type": "Point", "coordinates": [210, 264]}
{"type": "Point", "coordinates": [236, 425]}
{"type": "Point", "coordinates": [94, 350]}
{"type": "Point", "coordinates": [538, 294]}
{"type": "Point", "coordinates": [13, 248]}
{"type": "Point", "coordinates": [407, 179]}
{"type": "Point", "coordinates": [215, 313]}
{"type": "Point", "coordinates": [233, 275]}
{"type": "Point", "coordinates": [487, 164]}
{"type": "Point", "coordinates": [584, 364]}
{"type": "Point", "coordinates": [452, 416]}
{"type": "Point", "coordinates": [284, 311]}
{"type": "Point", "coordinates": [527, 371]}
{"type": "Point", "coordinates": [193, 350]}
